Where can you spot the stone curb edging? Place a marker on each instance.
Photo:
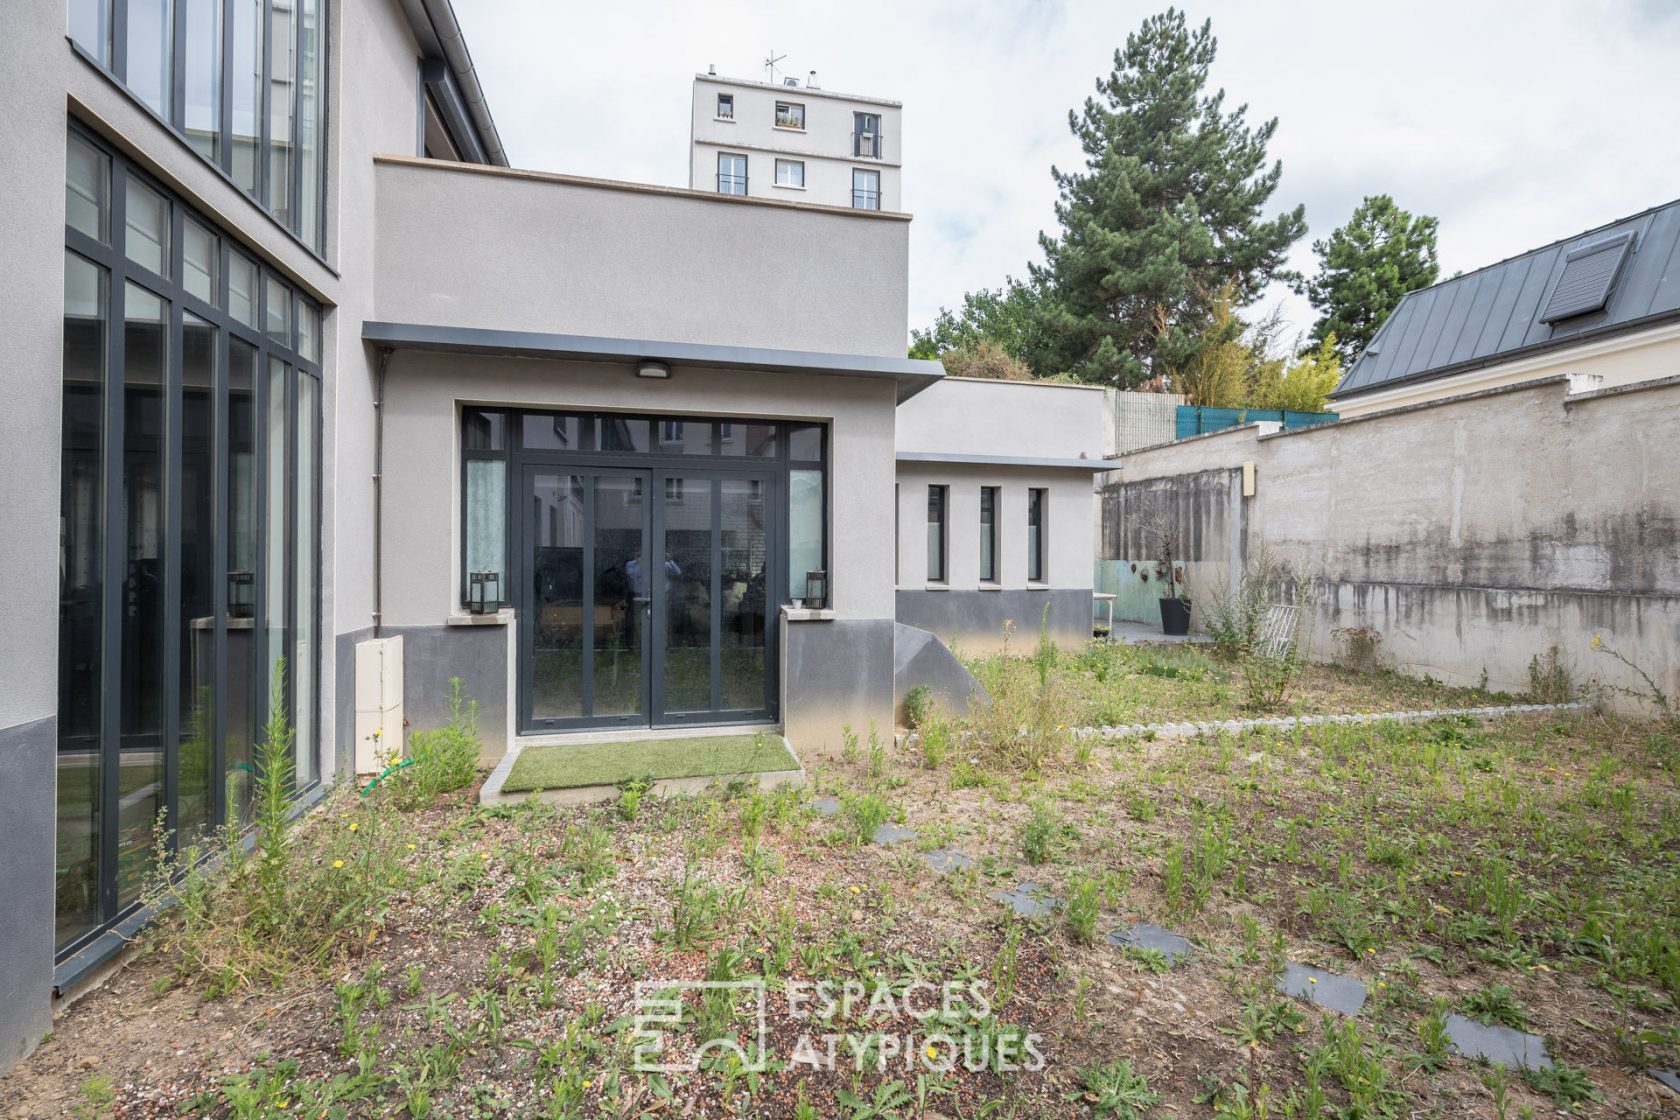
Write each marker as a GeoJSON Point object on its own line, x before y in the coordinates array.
{"type": "Point", "coordinates": [1187, 729]}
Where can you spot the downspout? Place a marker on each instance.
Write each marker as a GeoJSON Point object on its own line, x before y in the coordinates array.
{"type": "Point", "coordinates": [379, 489]}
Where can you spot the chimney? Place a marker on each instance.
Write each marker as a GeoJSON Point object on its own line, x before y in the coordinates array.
{"type": "Point", "coordinates": [811, 81]}
{"type": "Point", "coordinates": [711, 69]}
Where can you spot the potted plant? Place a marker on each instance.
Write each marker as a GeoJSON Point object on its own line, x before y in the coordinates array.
{"type": "Point", "coordinates": [1175, 596]}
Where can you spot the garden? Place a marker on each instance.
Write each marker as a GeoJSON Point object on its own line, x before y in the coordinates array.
{"type": "Point", "coordinates": [998, 916]}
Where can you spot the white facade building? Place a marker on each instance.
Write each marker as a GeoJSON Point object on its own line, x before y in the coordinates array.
{"type": "Point", "coordinates": [795, 142]}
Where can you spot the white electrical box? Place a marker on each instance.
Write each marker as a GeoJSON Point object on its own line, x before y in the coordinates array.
{"type": "Point", "coordinates": [379, 701]}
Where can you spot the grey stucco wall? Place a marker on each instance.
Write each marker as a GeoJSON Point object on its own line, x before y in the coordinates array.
{"type": "Point", "coordinates": [984, 416]}
{"type": "Point", "coordinates": [973, 621]}
{"type": "Point", "coordinates": [836, 674]}
{"type": "Point", "coordinates": [482, 247]}
{"type": "Point", "coordinates": [1474, 533]}
{"type": "Point", "coordinates": [476, 654]}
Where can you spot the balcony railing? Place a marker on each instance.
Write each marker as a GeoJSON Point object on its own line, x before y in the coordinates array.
{"type": "Point", "coordinates": [728, 183]}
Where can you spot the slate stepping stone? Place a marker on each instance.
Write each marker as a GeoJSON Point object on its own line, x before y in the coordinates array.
{"type": "Point", "coordinates": [1669, 1077]}
{"type": "Point", "coordinates": [1028, 900]}
{"type": "Point", "coordinates": [1326, 989]}
{"type": "Point", "coordinates": [827, 806]}
{"type": "Point", "coordinates": [945, 861]}
{"type": "Point", "coordinates": [889, 834]}
{"type": "Point", "coordinates": [1145, 936]}
{"type": "Point", "coordinates": [1499, 1045]}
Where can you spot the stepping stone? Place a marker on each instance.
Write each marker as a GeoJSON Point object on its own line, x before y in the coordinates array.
{"type": "Point", "coordinates": [1145, 936]}
{"type": "Point", "coordinates": [1669, 1077]}
{"type": "Point", "coordinates": [827, 806]}
{"type": "Point", "coordinates": [889, 834]}
{"type": "Point", "coordinates": [1499, 1045]}
{"type": "Point", "coordinates": [1326, 989]}
{"type": "Point", "coordinates": [945, 861]}
{"type": "Point", "coordinates": [1028, 900]}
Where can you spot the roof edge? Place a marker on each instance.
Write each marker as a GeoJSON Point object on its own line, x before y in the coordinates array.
{"type": "Point", "coordinates": [439, 34]}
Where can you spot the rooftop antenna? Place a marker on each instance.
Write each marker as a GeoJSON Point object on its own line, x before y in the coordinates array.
{"type": "Point", "coordinates": [770, 63]}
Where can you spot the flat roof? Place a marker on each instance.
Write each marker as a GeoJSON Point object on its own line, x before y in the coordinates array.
{"type": "Point", "coordinates": [911, 374]}
{"type": "Point", "coordinates": [816, 91]}
{"type": "Point", "coordinates": [1006, 461]}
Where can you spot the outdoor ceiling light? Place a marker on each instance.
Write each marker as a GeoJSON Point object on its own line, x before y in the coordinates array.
{"type": "Point", "coordinates": [657, 370]}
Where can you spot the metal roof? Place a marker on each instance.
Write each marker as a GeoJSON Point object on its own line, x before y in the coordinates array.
{"type": "Point", "coordinates": [1512, 308]}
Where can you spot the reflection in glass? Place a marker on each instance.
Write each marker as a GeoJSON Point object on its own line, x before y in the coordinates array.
{"type": "Point", "coordinates": [685, 437]}
{"type": "Point", "coordinates": [483, 429]}
{"type": "Point", "coordinates": [151, 25]}
{"type": "Point", "coordinates": [80, 594]}
{"type": "Point", "coordinates": [245, 692]}
{"type": "Point", "coordinates": [282, 88]}
{"type": "Point", "coordinates": [147, 238]}
{"type": "Point", "coordinates": [275, 585]}
{"type": "Point", "coordinates": [305, 653]}
{"type": "Point", "coordinates": [198, 573]}
{"type": "Point", "coordinates": [805, 443]}
{"type": "Point", "coordinates": [90, 27]}
{"type": "Point", "coordinates": [486, 522]}
{"type": "Point", "coordinates": [741, 634]}
{"type": "Point", "coordinates": [936, 534]}
{"type": "Point", "coordinates": [805, 527]}
{"type": "Point", "coordinates": [756, 440]}
{"type": "Point", "coordinates": [689, 591]}
{"type": "Point", "coordinates": [200, 252]}
{"type": "Point", "coordinates": [1036, 499]}
{"type": "Point", "coordinates": [144, 618]}
{"type": "Point", "coordinates": [557, 431]}
{"type": "Point", "coordinates": [988, 534]}
{"type": "Point", "coordinates": [277, 310]}
{"type": "Point", "coordinates": [617, 624]}
{"type": "Point", "coordinates": [557, 654]}
{"type": "Point", "coordinates": [247, 91]}
{"type": "Point", "coordinates": [622, 433]}
{"type": "Point", "coordinates": [87, 188]}
{"type": "Point", "coordinates": [311, 97]}
{"type": "Point", "coordinates": [242, 289]}
{"type": "Point", "coordinates": [202, 76]}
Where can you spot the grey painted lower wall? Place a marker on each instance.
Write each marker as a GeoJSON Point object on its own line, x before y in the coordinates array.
{"type": "Point", "coordinates": [28, 754]}
{"type": "Point", "coordinates": [344, 717]}
{"type": "Point", "coordinates": [476, 654]}
{"type": "Point", "coordinates": [835, 674]}
{"type": "Point", "coordinates": [973, 621]}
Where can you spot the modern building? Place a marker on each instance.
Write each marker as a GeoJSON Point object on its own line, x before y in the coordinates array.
{"type": "Point", "coordinates": [1602, 307]}
{"type": "Point", "coordinates": [795, 142]}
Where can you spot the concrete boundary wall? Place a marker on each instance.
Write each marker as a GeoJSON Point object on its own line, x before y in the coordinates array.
{"type": "Point", "coordinates": [1474, 533]}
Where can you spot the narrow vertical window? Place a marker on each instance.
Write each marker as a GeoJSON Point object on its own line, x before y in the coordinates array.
{"type": "Point", "coordinates": [90, 27]}
{"type": "Point", "coordinates": [988, 534]}
{"type": "Point", "coordinates": [151, 26]}
{"type": "Point", "coordinates": [305, 656]}
{"type": "Point", "coordinates": [201, 78]}
{"type": "Point", "coordinates": [936, 533]}
{"type": "Point", "coordinates": [87, 189]}
{"type": "Point", "coordinates": [732, 173]}
{"type": "Point", "coordinates": [282, 109]}
{"type": "Point", "coordinates": [866, 189]}
{"type": "Point", "coordinates": [197, 625]}
{"type": "Point", "coordinates": [245, 688]}
{"type": "Point", "coordinates": [311, 101]}
{"type": "Point", "coordinates": [246, 68]}
{"type": "Point", "coordinates": [866, 135]}
{"type": "Point", "coordinates": [1037, 501]}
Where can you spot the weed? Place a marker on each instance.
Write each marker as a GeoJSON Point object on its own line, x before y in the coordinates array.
{"type": "Point", "coordinates": [1549, 679]}
{"type": "Point", "coordinates": [445, 759]}
{"type": "Point", "coordinates": [918, 706]}
{"type": "Point", "coordinates": [865, 813]}
{"type": "Point", "coordinates": [1565, 1084]}
{"type": "Point", "coordinates": [1496, 1003]}
{"type": "Point", "coordinates": [1083, 907]}
{"type": "Point", "coordinates": [1114, 1090]}
{"type": "Point", "coordinates": [1042, 834]}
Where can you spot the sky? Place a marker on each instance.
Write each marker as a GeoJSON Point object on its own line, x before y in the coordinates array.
{"type": "Point", "coordinates": [1514, 123]}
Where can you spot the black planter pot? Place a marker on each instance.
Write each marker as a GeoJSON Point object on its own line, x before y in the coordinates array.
{"type": "Point", "coordinates": [1175, 617]}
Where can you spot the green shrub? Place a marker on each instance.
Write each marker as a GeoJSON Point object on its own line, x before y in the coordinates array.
{"type": "Point", "coordinates": [444, 759]}
{"type": "Point", "coordinates": [918, 706]}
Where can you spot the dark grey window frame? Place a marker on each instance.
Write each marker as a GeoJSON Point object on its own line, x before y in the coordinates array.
{"type": "Point", "coordinates": [777, 174]}
{"type": "Point", "coordinates": [719, 113]}
{"type": "Point", "coordinates": [872, 150]}
{"type": "Point", "coordinates": [746, 166]}
{"type": "Point", "coordinates": [940, 573]}
{"type": "Point", "coordinates": [117, 70]}
{"type": "Point", "coordinates": [1038, 548]}
{"type": "Point", "coordinates": [120, 271]}
{"type": "Point", "coordinates": [862, 199]}
{"type": "Point", "coordinates": [776, 117]}
{"type": "Point", "coordinates": [989, 532]}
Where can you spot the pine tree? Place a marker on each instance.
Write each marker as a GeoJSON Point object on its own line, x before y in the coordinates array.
{"type": "Point", "coordinates": [1364, 268]}
{"type": "Point", "coordinates": [1165, 216]}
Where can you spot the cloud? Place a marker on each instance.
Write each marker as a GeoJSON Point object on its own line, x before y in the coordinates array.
{"type": "Point", "coordinates": [1515, 123]}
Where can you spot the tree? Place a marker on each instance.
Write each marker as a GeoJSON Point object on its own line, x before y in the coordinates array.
{"type": "Point", "coordinates": [1364, 268]}
{"type": "Point", "coordinates": [1006, 316]}
{"type": "Point", "coordinates": [984, 359]}
{"type": "Point", "coordinates": [1166, 214]}
{"type": "Point", "coordinates": [1303, 384]}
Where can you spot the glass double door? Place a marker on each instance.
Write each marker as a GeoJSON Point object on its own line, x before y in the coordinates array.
{"type": "Point", "coordinates": [645, 596]}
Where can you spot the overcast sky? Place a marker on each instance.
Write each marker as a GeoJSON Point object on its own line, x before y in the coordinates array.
{"type": "Point", "coordinates": [1516, 123]}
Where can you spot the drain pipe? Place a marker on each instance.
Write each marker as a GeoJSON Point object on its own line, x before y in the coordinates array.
{"type": "Point", "coordinates": [379, 490]}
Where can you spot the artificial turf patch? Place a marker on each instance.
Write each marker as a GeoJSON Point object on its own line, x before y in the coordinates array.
{"type": "Point", "coordinates": [607, 764]}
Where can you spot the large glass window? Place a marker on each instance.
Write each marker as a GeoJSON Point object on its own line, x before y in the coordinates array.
{"type": "Point", "coordinates": [264, 126]}
{"type": "Point", "coordinates": [732, 173]}
{"type": "Point", "coordinates": [190, 533]}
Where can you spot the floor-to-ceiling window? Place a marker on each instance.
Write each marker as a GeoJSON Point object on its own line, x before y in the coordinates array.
{"type": "Point", "coordinates": [244, 81]}
{"type": "Point", "coordinates": [189, 537]}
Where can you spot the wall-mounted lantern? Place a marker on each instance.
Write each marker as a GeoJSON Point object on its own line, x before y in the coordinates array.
{"type": "Point", "coordinates": [484, 592]}
{"type": "Point", "coordinates": [241, 595]}
{"type": "Point", "coordinates": [816, 589]}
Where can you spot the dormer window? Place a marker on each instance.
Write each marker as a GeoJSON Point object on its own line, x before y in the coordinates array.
{"type": "Point", "coordinates": [1589, 273]}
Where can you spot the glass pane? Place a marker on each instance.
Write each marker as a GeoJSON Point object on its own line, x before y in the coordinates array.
{"type": "Point", "coordinates": [936, 534]}
{"type": "Point", "coordinates": [200, 252]}
{"type": "Point", "coordinates": [688, 588]}
{"type": "Point", "coordinates": [278, 310]}
{"type": "Point", "coordinates": [275, 584]}
{"type": "Point", "coordinates": [805, 443]}
{"type": "Point", "coordinates": [80, 595]}
{"type": "Point", "coordinates": [309, 330]}
{"type": "Point", "coordinates": [311, 98]}
{"type": "Point", "coordinates": [242, 289]}
{"type": "Point", "coordinates": [618, 618]}
{"type": "Point", "coordinates": [486, 526]}
{"type": "Point", "coordinates": [305, 653]}
{"type": "Point", "coordinates": [685, 437]}
{"type": "Point", "coordinates": [551, 431]}
{"type": "Point", "coordinates": [87, 189]}
{"type": "Point", "coordinates": [1035, 534]}
{"type": "Point", "coordinates": [151, 27]}
{"type": "Point", "coordinates": [484, 429]}
{"type": "Point", "coordinates": [144, 618]}
{"type": "Point", "coordinates": [147, 239]}
{"type": "Point", "coordinates": [622, 433]}
{"type": "Point", "coordinates": [988, 534]}
{"type": "Point", "coordinates": [196, 812]}
{"type": "Point", "coordinates": [245, 691]}
{"type": "Point", "coordinates": [741, 633]}
{"type": "Point", "coordinates": [282, 88]}
{"type": "Point", "coordinates": [202, 76]}
{"type": "Point", "coordinates": [90, 27]}
{"type": "Point", "coordinates": [557, 534]}
{"type": "Point", "coordinates": [757, 440]}
{"type": "Point", "coordinates": [247, 91]}
{"type": "Point", "coordinates": [805, 528]}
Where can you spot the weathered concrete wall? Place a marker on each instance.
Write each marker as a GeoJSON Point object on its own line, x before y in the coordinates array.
{"type": "Point", "coordinates": [1474, 532]}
